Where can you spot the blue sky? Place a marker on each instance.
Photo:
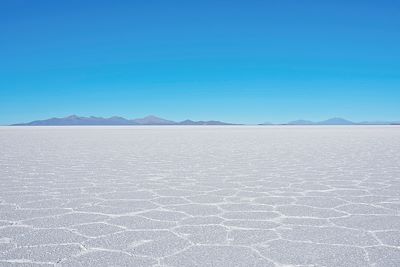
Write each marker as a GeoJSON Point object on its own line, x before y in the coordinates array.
{"type": "Point", "coordinates": [237, 61]}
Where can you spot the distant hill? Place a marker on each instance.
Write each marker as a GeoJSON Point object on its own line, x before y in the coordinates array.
{"type": "Point", "coordinates": [190, 122]}
{"type": "Point", "coordinates": [266, 123]}
{"type": "Point", "coordinates": [153, 120]}
{"type": "Point", "coordinates": [336, 121]}
{"type": "Point", "coordinates": [332, 121]}
{"type": "Point", "coordinates": [149, 120]}
{"type": "Point", "coordinates": [301, 122]}
{"type": "Point", "coordinates": [379, 123]}
{"type": "Point", "coordinates": [340, 121]}
{"type": "Point", "coordinates": [76, 120]}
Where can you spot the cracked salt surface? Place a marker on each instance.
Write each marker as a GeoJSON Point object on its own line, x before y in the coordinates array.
{"type": "Point", "coordinates": [200, 196]}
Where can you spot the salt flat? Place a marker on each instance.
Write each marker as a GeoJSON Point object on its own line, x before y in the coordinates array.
{"type": "Point", "coordinates": [200, 196]}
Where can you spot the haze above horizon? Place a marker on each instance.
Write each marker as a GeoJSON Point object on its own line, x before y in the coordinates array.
{"type": "Point", "coordinates": [234, 61]}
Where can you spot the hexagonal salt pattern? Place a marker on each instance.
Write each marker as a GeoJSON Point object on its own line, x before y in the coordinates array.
{"type": "Point", "coordinates": [200, 196]}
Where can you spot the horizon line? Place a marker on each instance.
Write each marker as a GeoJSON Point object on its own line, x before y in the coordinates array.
{"type": "Point", "coordinates": [155, 120]}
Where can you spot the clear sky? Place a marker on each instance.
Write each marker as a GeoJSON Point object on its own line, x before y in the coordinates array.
{"type": "Point", "coordinates": [238, 61]}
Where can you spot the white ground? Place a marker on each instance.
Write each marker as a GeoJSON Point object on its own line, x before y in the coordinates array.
{"type": "Point", "coordinates": [200, 196]}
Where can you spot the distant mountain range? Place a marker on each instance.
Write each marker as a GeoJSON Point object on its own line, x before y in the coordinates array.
{"type": "Point", "coordinates": [153, 120]}
{"type": "Point", "coordinates": [149, 120]}
{"type": "Point", "coordinates": [332, 121]}
{"type": "Point", "coordinates": [337, 121]}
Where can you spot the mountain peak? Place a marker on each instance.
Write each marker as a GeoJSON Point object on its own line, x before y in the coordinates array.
{"type": "Point", "coordinates": [73, 116]}
{"type": "Point", "coordinates": [154, 120]}
{"type": "Point", "coordinates": [336, 121]}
